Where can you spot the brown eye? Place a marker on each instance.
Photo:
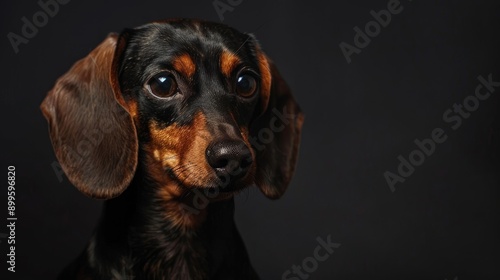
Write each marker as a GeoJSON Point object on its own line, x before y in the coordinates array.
{"type": "Point", "coordinates": [162, 85]}
{"type": "Point", "coordinates": [246, 85]}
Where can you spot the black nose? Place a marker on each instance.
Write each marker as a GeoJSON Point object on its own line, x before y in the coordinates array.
{"type": "Point", "coordinates": [229, 158]}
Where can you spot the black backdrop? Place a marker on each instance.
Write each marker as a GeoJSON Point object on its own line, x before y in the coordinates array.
{"type": "Point", "coordinates": [442, 222]}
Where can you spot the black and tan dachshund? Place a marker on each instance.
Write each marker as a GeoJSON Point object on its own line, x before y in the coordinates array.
{"type": "Point", "coordinates": [167, 122]}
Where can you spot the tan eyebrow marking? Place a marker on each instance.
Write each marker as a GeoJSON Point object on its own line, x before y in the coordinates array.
{"type": "Point", "coordinates": [184, 65]}
{"type": "Point", "coordinates": [228, 61]}
{"type": "Point", "coordinates": [266, 76]}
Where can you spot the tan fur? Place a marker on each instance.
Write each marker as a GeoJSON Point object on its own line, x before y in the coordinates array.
{"type": "Point", "coordinates": [228, 61]}
{"type": "Point", "coordinates": [184, 65]}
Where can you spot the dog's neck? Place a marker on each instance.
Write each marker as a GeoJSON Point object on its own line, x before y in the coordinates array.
{"type": "Point", "coordinates": [137, 237]}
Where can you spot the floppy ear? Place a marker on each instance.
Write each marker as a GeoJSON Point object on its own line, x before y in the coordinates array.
{"type": "Point", "coordinates": [92, 134]}
{"type": "Point", "coordinates": [277, 132]}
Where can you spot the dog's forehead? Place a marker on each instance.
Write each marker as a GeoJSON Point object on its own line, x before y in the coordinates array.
{"type": "Point", "coordinates": [189, 36]}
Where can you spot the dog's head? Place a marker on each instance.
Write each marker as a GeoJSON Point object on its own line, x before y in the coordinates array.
{"type": "Point", "coordinates": [197, 104]}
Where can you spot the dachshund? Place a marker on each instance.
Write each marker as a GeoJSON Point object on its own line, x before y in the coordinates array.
{"type": "Point", "coordinates": [167, 122]}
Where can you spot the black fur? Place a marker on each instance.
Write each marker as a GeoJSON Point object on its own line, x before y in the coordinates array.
{"type": "Point", "coordinates": [142, 233]}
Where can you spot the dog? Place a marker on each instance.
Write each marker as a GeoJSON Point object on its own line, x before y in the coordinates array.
{"type": "Point", "coordinates": [167, 122]}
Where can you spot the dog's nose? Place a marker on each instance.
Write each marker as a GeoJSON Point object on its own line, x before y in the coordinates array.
{"type": "Point", "coordinates": [229, 158]}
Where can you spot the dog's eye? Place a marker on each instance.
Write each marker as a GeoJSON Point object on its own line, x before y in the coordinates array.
{"type": "Point", "coordinates": [246, 85]}
{"type": "Point", "coordinates": [162, 85]}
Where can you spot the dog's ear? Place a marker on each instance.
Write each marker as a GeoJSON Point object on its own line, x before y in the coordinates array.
{"type": "Point", "coordinates": [276, 131]}
{"type": "Point", "coordinates": [93, 136]}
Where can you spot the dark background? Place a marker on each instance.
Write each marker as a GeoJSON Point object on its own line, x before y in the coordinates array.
{"type": "Point", "coordinates": [441, 223]}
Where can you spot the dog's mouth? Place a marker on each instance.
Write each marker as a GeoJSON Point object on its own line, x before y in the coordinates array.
{"type": "Point", "coordinates": [215, 189]}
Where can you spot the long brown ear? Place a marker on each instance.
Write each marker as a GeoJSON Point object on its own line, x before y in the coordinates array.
{"type": "Point", "coordinates": [93, 136]}
{"type": "Point", "coordinates": [277, 133]}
